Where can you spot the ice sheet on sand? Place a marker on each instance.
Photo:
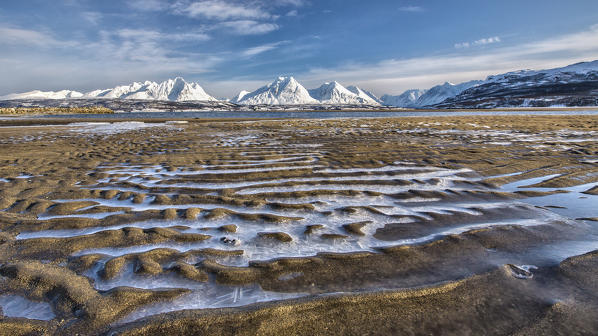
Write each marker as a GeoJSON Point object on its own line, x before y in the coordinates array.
{"type": "Point", "coordinates": [157, 171]}
{"type": "Point", "coordinates": [18, 306]}
{"type": "Point", "coordinates": [112, 128]}
{"type": "Point", "coordinates": [99, 215]}
{"type": "Point", "coordinates": [211, 296]}
{"type": "Point", "coordinates": [302, 245]}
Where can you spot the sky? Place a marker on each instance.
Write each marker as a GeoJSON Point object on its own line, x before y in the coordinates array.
{"type": "Point", "coordinates": [386, 46]}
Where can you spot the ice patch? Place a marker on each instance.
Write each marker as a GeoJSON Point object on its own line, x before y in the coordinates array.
{"type": "Point", "coordinates": [107, 128]}
{"type": "Point", "coordinates": [18, 306]}
{"type": "Point", "coordinates": [212, 296]}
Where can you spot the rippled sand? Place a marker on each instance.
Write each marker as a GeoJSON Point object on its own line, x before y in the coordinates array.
{"type": "Point", "coordinates": [450, 225]}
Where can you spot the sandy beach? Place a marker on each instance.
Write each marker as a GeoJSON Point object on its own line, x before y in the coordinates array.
{"type": "Point", "coordinates": [418, 225]}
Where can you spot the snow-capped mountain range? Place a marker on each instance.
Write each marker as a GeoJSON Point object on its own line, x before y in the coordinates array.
{"type": "Point", "coordinates": [287, 91]}
{"type": "Point", "coordinates": [573, 85]}
{"type": "Point", "coordinates": [172, 90]}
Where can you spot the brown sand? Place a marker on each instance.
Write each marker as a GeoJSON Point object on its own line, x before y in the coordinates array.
{"type": "Point", "coordinates": [455, 284]}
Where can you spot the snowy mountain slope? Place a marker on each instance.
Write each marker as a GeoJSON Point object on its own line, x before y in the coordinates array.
{"type": "Point", "coordinates": [368, 97]}
{"type": "Point", "coordinates": [405, 99]}
{"type": "Point", "coordinates": [573, 85]}
{"type": "Point", "coordinates": [335, 93]}
{"type": "Point", "coordinates": [239, 96]}
{"type": "Point", "coordinates": [37, 94]}
{"type": "Point", "coordinates": [282, 91]}
{"type": "Point", "coordinates": [440, 93]}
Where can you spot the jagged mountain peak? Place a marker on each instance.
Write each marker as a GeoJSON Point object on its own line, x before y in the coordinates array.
{"type": "Point", "coordinates": [335, 93]}
{"type": "Point", "coordinates": [367, 96]}
{"type": "Point", "coordinates": [284, 90]}
{"type": "Point", "coordinates": [174, 89]}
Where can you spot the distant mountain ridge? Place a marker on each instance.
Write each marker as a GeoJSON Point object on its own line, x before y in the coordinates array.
{"type": "Point", "coordinates": [176, 89]}
{"type": "Point", "coordinates": [173, 90]}
{"type": "Point", "coordinates": [572, 85]}
{"type": "Point", "coordinates": [406, 99]}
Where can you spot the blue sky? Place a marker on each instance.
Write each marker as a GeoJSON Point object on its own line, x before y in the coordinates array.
{"type": "Point", "coordinates": [228, 45]}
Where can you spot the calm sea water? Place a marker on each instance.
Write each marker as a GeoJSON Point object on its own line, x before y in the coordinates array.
{"type": "Point", "coordinates": [310, 115]}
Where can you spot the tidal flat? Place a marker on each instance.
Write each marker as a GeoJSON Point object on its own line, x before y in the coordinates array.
{"type": "Point", "coordinates": [415, 225]}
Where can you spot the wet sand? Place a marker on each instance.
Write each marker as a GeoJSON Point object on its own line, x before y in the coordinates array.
{"type": "Point", "coordinates": [444, 225]}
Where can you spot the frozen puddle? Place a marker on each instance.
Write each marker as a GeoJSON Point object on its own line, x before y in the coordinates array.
{"type": "Point", "coordinates": [572, 204]}
{"type": "Point", "coordinates": [18, 306]}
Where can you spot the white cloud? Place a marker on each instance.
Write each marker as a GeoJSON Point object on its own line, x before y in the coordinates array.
{"type": "Point", "coordinates": [116, 57]}
{"type": "Point", "coordinates": [488, 40]}
{"type": "Point", "coordinates": [483, 41]}
{"type": "Point", "coordinates": [262, 48]}
{"type": "Point", "coordinates": [148, 5]}
{"type": "Point", "coordinates": [221, 10]}
{"type": "Point", "coordinates": [297, 3]}
{"type": "Point", "coordinates": [412, 9]}
{"type": "Point", "coordinates": [248, 27]}
{"type": "Point", "coordinates": [147, 35]}
{"type": "Point", "coordinates": [18, 36]}
{"type": "Point", "coordinates": [294, 12]}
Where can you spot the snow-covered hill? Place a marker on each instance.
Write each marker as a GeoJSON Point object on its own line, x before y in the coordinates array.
{"type": "Point", "coordinates": [282, 91]}
{"type": "Point", "coordinates": [37, 94]}
{"type": "Point", "coordinates": [573, 85]}
{"type": "Point", "coordinates": [421, 98]}
{"type": "Point", "coordinates": [440, 93]}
